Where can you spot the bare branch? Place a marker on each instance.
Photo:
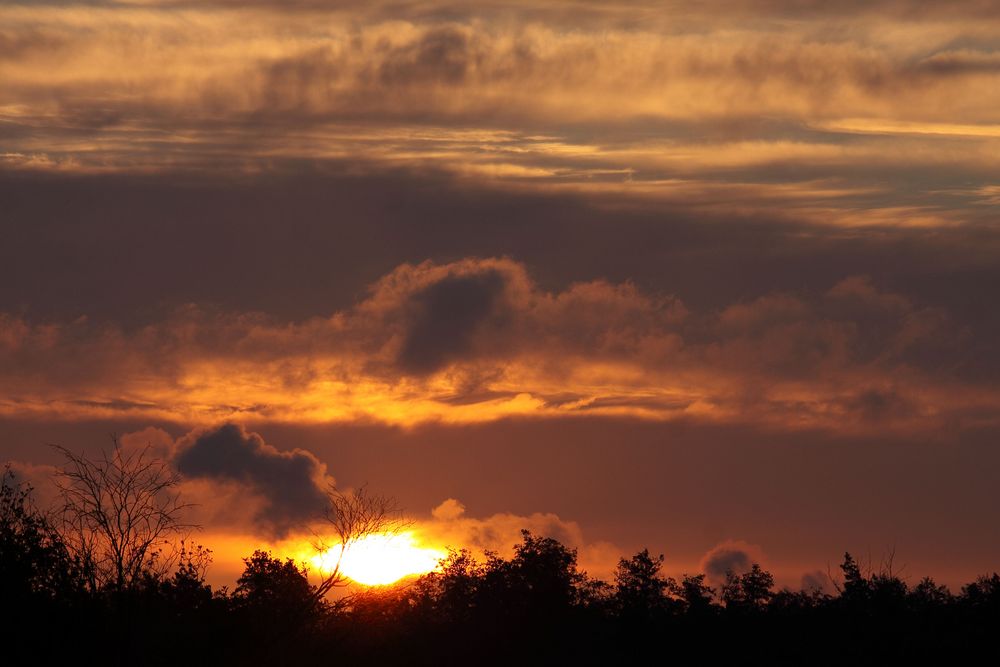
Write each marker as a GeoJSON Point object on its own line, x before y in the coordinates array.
{"type": "Point", "coordinates": [118, 513]}
{"type": "Point", "coordinates": [350, 517]}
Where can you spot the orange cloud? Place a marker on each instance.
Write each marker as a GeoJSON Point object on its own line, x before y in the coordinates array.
{"type": "Point", "coordinates": [478, 340]}
{"type": "Point", "coordinates": [712, 111]}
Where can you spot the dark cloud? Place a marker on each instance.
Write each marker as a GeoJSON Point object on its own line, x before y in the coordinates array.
{"type": "Point", "coordinates": [292, 484]}
{"type": "Point", "coordinates": [117, 405]}
{"type": "Point", "coordinates": [442, 55]}
{"type": "Point", "coordinates": [23, 43]}
{"type": "Point", "coordinates": [444, 316]}
{"type": "Point", "coordinates": [69, 239]}
{"type": "Point", "coordinates": [475, 316]}
{"type": "Point", "coordinates": [729, 556]}
{"type": "Point", "coordinates": [816, 580]}
{"type": "Point", "coordinates": [949, 63]}
{"type": "Point", "coordinates": [876, 405]}
{"type": "Point", "coordinates": [587, 11]}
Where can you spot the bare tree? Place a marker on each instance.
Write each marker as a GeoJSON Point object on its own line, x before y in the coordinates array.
{"type": "Point", "coordinates": [351, 517]}
{"type": "Point", "coordinates": [119, 511]}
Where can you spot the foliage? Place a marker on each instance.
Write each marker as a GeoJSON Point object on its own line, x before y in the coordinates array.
{"type": "Point", "coordinates": [983, 593]}
{"type": "Point", "coordinates": [541, 578]}
{"type": "Point", "coordinates": [696, 596]}
{"type": "Point", "coordinates": [187, 589]}
{"type": "Point", "coordinates": [34, 562]}
{"type": "Point", "coordinates": [641, 593]}
{"type": "Point", "coordinates": [272, 586]}
{"type": "Point", "coordinates": [748, 591]}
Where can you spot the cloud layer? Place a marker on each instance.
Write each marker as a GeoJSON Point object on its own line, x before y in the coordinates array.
{"type": "Point", "coordinates": [880, 114]}
{"type": "Point", "coordinates": [479, 339]}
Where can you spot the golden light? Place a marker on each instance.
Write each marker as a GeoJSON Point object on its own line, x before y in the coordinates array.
{"type": "Point", "coordinates": [377, 560]}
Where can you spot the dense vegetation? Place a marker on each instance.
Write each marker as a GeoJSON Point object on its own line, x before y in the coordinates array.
{"type": "Point", "coordinates": [534, 608]}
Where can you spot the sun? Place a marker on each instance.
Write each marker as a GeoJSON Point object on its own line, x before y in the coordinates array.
{"type": "Point", "coordinates": [380, 559]}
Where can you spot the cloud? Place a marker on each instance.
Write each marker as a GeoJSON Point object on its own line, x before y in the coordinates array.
{"type": "Point", "coordinates": [449, 526]}
{"type": "Point", "coordinates": [479, 339]}
{"type": "Point", "coordinates": [39, 478]}
{"type": "Point", "coordinates": [487, 310]}
{"type": "Point", "coordinates": [291, 484]}
{"type": "Point", "coordinates": [817, 580]}
{"type": "Point", "coordinates": [881, 115]}
{"type": "Point", "coordinates": [159, 443]}
{"type": "Point", "coordinates": [447, 64]}
{"type": "Point", "coordinates": [444, 317]}
{"type": "Point", "coordinates": [732, 555]}
{"type": "Point", "coordinates": [442, 55]}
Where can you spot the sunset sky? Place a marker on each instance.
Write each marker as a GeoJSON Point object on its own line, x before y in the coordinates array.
{"type": "Point", "coordinates": [718, 279]}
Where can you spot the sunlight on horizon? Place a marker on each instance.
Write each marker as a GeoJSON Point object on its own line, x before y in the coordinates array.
{"type": "Point", "coordinates": [378, 560]}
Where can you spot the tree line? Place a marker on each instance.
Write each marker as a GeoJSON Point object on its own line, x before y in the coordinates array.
{"type": "Point", "coordinates": [90, 583]}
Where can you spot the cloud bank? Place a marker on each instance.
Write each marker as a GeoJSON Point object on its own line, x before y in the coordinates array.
{"type": "Point", "coordinates": [849, 117]}
{"type": "Point", "coordinates": [478, 339]}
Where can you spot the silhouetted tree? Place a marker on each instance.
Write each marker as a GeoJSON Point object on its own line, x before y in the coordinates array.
{"type": "Point", "coordinates": [797, 603]}
{"type": "Point", "coordinates": [119, 511]}
{"type": "Point", "coordinates": [455, 586]}
{"type": "Point", "coordinates": [888, 590]}
{"type": "Point", "coordinates": [927, 593]}
{"type": "Point", "coordinates": [41, 587]}
{"type": "Point", "coordinates": [187, 590]}
{"type": "Point", "coordinates": [750, 591]}
{"type": "Point", "coordinates": [540, 579]}
{"type": "Point", "coordinates": [272, 586]}
{"type": "Point", "coordinates": [983, 594]}
{"type": "Point", "coordinates": [276, 609]}
{"type": "Point", "coordinates": [34, 561]}
{"type": "Point", "coordinates": [695, 595]}
{"type": "Point", "coordinates": [641, 593]}
{"type": "Point", "coordinates": [535, 607]}
{"type": "Point", "coordinates": [856, 588]}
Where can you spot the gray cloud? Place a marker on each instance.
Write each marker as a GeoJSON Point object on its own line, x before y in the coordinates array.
{"type": "Point", "coordinates": [444, 316]}
{"type": "Point", "coordinates": [441, 55]}
{"type": "Point", "coordinates": [817, 580]}
{"type": "Point", "coordinates": [587, 11]}
{"type": "Point", "coordinates": [643, 101]}
{"type": "Point", "coordinates": [729, 556]}
{"type": "Point", "coordinates": [292, 484]}
{"type": "Point", "coordinates": [965, 61]}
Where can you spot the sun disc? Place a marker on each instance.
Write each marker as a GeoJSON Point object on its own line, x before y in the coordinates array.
{"type": "Point", "coordinates": [377, 560]}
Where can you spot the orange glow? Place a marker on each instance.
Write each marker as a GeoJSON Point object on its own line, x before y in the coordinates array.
{"type": "Point", "coordinates": [377, 560]}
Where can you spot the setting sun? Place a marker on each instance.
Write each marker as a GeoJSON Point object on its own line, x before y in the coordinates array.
{"type": "Point", "coordinates": [377, 560]}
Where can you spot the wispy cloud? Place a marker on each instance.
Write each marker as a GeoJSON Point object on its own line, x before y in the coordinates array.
{"type": "Point", "coordinates": [798, 104]}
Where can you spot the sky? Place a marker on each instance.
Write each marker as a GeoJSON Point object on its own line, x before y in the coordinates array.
{"type": "Point", "coordinates": [716, 279]}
